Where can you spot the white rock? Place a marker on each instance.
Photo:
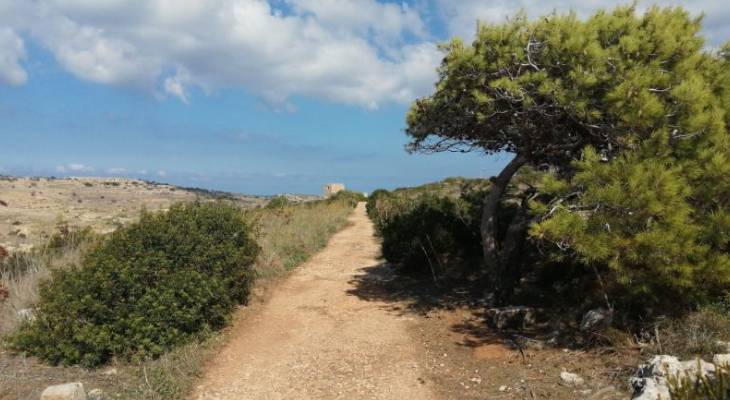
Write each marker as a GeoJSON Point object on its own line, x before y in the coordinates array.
{"type": "Point", "coordinates": [26, 314]}
{"type": "Point", "coordinates": [67, 391]}
{"type": "Point", "coordinates": [721, 360]}
{"type": "Point", "coordinates": [502, 388]}
{"type": "Point", "coordinates": [95, 394]}
{"type": "Point", "coordinates": [650, 389]}
{"type": "Point", "coordinates": [571, 378]}
{"type": "Point", "coordinates": [110, 371]}
{"type": "Point", "coordinates": [661, 366]}
{"type": "Point", "coordinates": [695, 368]}
{"type": "Point", "coordinates": [595, 320]}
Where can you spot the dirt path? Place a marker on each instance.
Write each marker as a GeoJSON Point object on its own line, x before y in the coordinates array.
{"type": "Point", "coordinates": [314, 340]}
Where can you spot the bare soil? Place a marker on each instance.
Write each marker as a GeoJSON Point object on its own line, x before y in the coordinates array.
{"type": "Point", "coordinates": [346, 326]}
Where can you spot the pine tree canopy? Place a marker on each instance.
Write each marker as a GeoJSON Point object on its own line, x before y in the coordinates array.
{"type": "Point", "coordinates": [631, 110]}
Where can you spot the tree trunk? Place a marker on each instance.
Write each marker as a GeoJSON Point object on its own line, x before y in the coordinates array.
{"type": "Point", "coordinates": [508, 272]}
{"type": "Point", "coordinates": [488, 227]}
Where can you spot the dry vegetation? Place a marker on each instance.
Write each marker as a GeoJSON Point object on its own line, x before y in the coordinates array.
{"type": "Point", "coordinates": [32, 208]}
{"type": "Point", "coordinates": [287, 235]}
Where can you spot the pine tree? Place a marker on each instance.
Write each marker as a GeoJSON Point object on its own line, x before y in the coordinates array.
{"type": "Point", "coordinates": [638, 90]}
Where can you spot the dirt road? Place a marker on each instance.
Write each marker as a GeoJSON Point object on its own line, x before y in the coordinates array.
{"type": "Point", "coordinates": [314, 340]}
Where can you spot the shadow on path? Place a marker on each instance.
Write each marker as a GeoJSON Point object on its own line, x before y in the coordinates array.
{"type": "Point", "coordinates": [405, 294]}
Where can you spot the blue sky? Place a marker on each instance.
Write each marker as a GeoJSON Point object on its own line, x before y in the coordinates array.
{"type": "Point", "coordinates": [249, 96]}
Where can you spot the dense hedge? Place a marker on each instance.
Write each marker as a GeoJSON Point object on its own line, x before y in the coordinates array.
{"type": "Point", "coordinates": [429, 231]}
{"type": "Point", "coordinates": [146, 288]}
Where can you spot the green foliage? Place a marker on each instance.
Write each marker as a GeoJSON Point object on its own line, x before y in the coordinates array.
{"type": "Point", "coordinates": [650, 225]}
{"type": "Point", "coordinates": [155, 284]}
{"type": "Point", "coordinates": [348, 197]}
{"type": "Point", "coordinates": [429, 230]}
{"type": "Point", "coordinates": [278, 202]}
{"type": "Point", "coordinates": [630, 112]}
{"type": "Point", "coordinates": [547, 88]}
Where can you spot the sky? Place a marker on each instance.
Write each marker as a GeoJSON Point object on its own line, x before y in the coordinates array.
{"type": "Point", "coordinates": [248, 96]}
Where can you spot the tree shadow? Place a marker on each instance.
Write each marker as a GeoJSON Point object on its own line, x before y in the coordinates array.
{"type": "Point", "coordinates": [405, 294]}
{"type": "Point", "coordinates": [408, 293]}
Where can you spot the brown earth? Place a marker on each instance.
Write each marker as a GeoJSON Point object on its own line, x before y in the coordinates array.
{"type": "Point", "coordinates": [343, 327]}
{"type": "Point", "coordinates": [32, 208]}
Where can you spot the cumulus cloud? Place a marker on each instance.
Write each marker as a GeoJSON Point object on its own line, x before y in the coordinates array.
{"type": "Point", "coordinates": [461, 16]}
{"type": "Point", "coordinates": [74, 168]}
{"type": "Point", "coordinates": [362, 52]}
{"type": "Point", "coordinates": [12, 52]}
{"type": "Point", "coordinates": [346, 51]}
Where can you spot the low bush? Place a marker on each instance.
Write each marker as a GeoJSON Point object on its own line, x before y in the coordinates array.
{"type": "Point", "coordinates": [278, 202]}
{"type": "Point", "coordinates": [147, 287]}
{"type": "Point", "coordinates": [430, 229]}
{"type": "Point", "coordinates": [349, 197]}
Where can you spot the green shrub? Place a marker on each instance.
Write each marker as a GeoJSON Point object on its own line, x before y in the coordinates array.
{"type": "Point", "coordinates": [435, 233]}
{"type": "Point", "coordinates": [348, 197]}
{"type": "Point", "coordinates": [431, 229]}
{"type": "Point", "coordinates": [149, 286]}
{"type": "Point", "coordinates": [278, 202]}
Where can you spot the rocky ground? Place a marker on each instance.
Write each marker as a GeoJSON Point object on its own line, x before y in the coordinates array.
{"type": "Point", "coordinates": [31, 209]}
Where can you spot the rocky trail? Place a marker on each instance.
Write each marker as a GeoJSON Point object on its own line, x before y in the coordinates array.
{"type": "Point", "coordinates": [336, 329]}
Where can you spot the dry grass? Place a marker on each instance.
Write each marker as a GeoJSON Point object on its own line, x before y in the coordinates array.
{"type": "Point", "coordinates": [287, 236]}
{"type": "Point", "coordinates": [22, 273]}
{"type": "Point", "coordinates": [700, 333]}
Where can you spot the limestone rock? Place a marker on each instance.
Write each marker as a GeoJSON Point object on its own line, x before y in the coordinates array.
{"type": "Point", "coordinates": [67, 391]}
{"type": "Point", "coordinates": [571, 378]}
{"type": "Point", "coordinates": [721, 360]}
{"type": "Point", "coordinates": [26, 314]}
{"type": "Point", "coordinates": [650, 389]}
{"type": "Point", "coordinates": [95, 394]}
{"type": "Point", "coordinates": [596, 320]}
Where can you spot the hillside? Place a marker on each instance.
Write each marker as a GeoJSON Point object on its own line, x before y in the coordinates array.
{"type": "Point", "coordinates": [31, 209]}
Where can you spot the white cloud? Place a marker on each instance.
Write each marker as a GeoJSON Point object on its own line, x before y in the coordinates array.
{"type": "Point", "coordinates": [346, 51]}
{"type": "Point", "coordinates": [461, 16]}
{"type": "Point", "coordinates": [12, 51]}
{"type": "Point", "coordinates": [363, 52]}
{"type": "Point", "coordinates": [74, 168]}
{"type": "Point", "coordinates": [162, 173]}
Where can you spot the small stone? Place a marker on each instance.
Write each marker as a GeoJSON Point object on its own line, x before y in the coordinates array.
{"type": "Point", "coordinates": [596, 320]}
{"type": "Point", "coordinates": [26, 314]}
{"type": "Point", "coordinates": [503, 388]}
{"type": "Point", "coordinates": [95, 394]}
{"type": "Point", "coordinates": [67, 391]}
{"type": "Point", "coordinates": [571, 378]}
{"type": "Point", "coordinates": [514, 317]}
{"type": "Point", "coordinates": [476, 380]}
{"type": "Point", "coordinates": [110, 371]}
